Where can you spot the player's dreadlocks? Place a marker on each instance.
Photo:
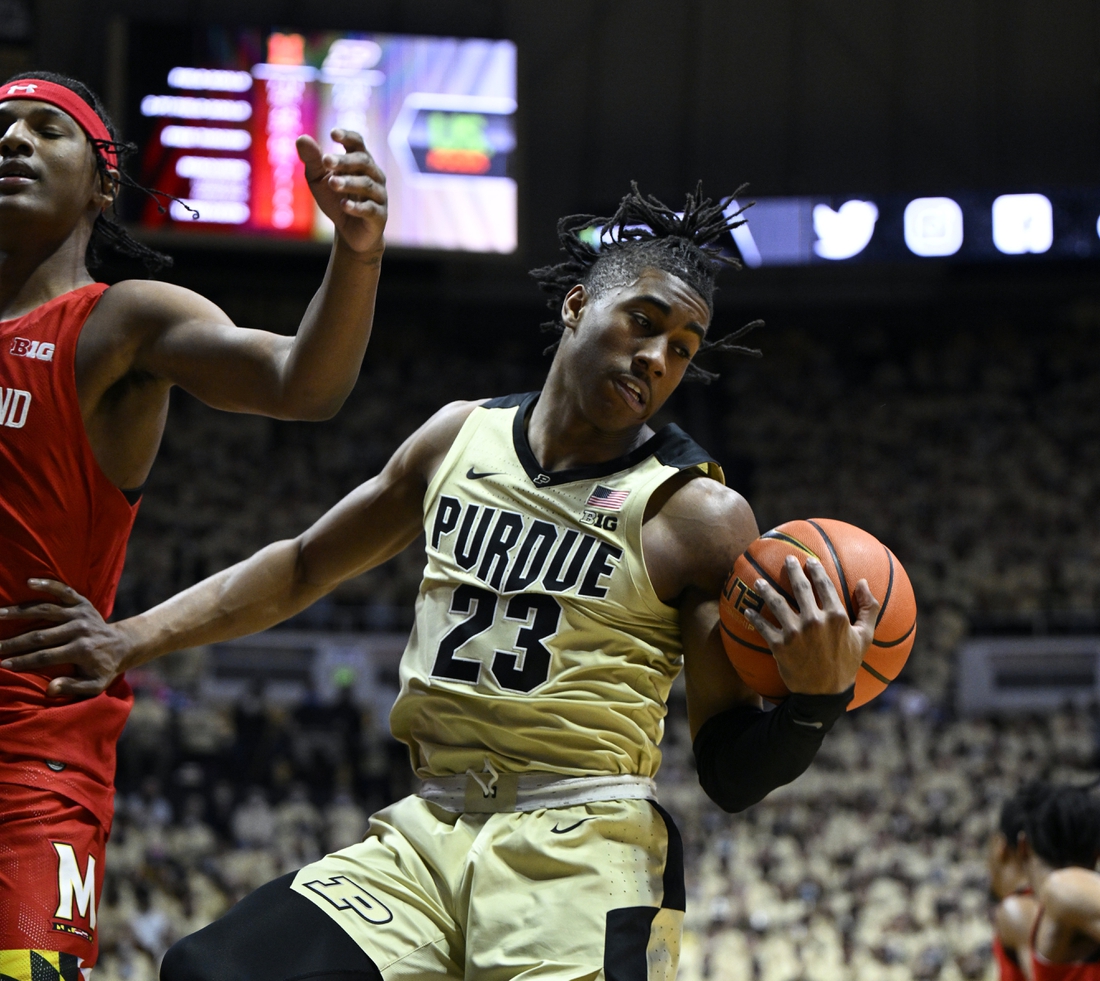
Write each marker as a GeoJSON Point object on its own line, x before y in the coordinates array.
{"type": "Point", "coordinates": [645, 233]}
{"type": "Point", "coordinates": [1064, 829]}
{"type": "Point", "coordinates": [106, 232]}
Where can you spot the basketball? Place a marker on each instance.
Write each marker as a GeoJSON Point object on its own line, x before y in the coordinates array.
{"type": "Point", "coordinates": [847, 554]}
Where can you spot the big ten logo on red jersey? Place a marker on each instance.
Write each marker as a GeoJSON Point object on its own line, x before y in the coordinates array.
{"type": "Point", "coordinates": [510, 552]}
{"type": "Point", "coordinates": [74, 889]}
{"type": "Point", "coordinates": [14, 404]}
{"type": "Point", "coordinates": [36, 350]}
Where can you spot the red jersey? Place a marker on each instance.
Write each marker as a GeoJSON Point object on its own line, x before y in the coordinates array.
{"type": "Point", "coordinates": [60, 518]}
{"type": "Point", "coordinates": [1008, 967]}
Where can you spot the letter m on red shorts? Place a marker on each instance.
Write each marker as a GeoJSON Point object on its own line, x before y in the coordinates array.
{"type": "Point", "coordinates": [72, 886]}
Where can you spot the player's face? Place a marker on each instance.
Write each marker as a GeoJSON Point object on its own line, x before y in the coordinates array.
{"type": "Point", "coordinates": [628, 348]}
{"type": "Point", "coordinates": [48, 177]}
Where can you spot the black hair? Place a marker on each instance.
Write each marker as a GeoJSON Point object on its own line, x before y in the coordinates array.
{"type": "Point", "coordinates": [645, 233]}
{"type": "Point", "coordinates": [1016, 810]}
{"type": "Point", "coordinates": [106, 232]}
{"type": "Point", "coordinates": [1064, 830]}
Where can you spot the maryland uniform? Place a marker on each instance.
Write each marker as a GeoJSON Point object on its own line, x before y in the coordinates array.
{"type": "Point", "coordinates": [533, 694]}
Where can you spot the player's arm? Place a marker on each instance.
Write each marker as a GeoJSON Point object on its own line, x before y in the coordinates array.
{"type": "Point", "coordinates": [369, 526]}
{"type": "Point", "coordinates": [1071, 897]}
{"type": "Point", "coordinates": [167, 333]}
{"type": "Point", "coordinates": [1013, 920]}
{"type": "Point", "coordinates": [742, 753]}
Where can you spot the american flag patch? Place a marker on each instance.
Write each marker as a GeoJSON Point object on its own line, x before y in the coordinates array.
{"type": "Point", "coordinates": [607, 499]}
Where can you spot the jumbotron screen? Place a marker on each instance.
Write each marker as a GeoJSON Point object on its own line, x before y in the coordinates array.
{"type": "Point", "coordinates": [218, 131]}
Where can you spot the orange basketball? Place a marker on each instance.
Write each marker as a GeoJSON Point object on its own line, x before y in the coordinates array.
{"type": "Point", "coordinates": [847, 554]}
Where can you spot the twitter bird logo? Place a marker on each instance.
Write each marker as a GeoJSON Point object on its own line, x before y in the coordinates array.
{"type": "Point", "coordinates": [844, 233]}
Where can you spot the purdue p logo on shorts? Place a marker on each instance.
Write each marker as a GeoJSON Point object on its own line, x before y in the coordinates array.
{"type": "Point", "coordinates": [341, 893]}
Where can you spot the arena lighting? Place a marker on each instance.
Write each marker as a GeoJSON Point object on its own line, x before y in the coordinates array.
{"type": "Point", "coordinates": [844, 233]}
{"type": "Point", "coordinates": [209, 80]}
{"type": "Point", "coordinates": [205, 138]}
{"type": "Point", "coordinates": [1023, 223]}
{"type": "Point", "coordinates": [192, 107]}
{"type": "Point", "coordinates": [214, 212]}
{"type": "Point", "coordinates": [214, 168]}
{"type": "Point", "coordinates": [933, 226]}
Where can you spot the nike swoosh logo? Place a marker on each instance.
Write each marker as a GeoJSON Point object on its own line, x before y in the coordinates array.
{"type": "Point", "coordinates": [809, 725]}
{"type": "Point", "coordinates": [472, 474]}
{"type": "Point", "coordinates": [560, 831]}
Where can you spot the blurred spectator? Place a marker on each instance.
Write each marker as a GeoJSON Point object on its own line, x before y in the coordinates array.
{"type": "Point", "coordinates": [254, 821]}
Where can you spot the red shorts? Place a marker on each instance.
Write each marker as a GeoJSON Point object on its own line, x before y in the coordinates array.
{"type": "Point", "coordinates": [51, 874]}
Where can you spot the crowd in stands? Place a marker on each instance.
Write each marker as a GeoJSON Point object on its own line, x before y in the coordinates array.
{"type": "Point", "coordinates": [870, 867]}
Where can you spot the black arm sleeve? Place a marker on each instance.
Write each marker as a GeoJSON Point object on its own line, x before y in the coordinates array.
{"type": "Point", "coordinates": [744, 753]}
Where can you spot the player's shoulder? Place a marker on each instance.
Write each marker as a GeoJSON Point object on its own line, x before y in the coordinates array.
{"type": "Point", "coordinates": [695, 528]}
{"type": "Point", "coordinates": [1071, 892]}
{"type": "Point", "coordinates": [1014, 917]}
{"type": "Point", "coordinates": [425, 449]}
{"type": "Point", "coordinates": [703, 506]}
{"type": "Point", "coordinates": [147, 304]}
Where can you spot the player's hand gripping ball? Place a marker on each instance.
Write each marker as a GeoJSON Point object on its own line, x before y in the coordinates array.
{"type": "Point", "coordinates": [847, 554]}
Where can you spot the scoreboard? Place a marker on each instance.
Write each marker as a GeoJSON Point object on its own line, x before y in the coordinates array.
{"type": "Point", "coordinates": [218, 133]}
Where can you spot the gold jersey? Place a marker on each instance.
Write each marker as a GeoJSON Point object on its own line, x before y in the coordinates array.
{"type": "Point", "coordinates": [539, 643]}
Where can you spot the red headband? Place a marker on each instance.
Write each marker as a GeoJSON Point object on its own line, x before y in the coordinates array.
{"type": "Point", "coordinates": [38, 90]}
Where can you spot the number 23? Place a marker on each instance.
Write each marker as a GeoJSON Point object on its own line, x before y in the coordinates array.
{"type": "Point", "coordinates": [480, 607]}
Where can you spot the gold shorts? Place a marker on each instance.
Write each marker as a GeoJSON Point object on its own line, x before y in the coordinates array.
{"type": "Point", "coordinates": [557, 893]}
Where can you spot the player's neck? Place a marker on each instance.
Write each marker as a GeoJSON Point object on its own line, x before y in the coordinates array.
{"type": "Point", "coordinates": [30, 277]}
{"type": "Point", "coordinates": [561, 438]}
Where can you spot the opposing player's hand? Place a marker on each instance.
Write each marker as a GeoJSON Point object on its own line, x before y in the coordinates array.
{"type": "Point", "coordinates": [79, 636]}
{"type": "Point", "coordinates": [817, 649]}
{"type": "Point", "coordinates": [350, 188]}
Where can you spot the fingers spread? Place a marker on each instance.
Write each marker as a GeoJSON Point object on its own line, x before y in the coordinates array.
{"type": "Point", "coordinates": [351, 141]}
{"type": "Point", "coordinates": [358, 187]}
{"type": "Point", "coordinates": [788, 618]}
{"type": "Point", "coordinates": [869, 608]}
{"type": "Point", "coordinates": [41, 642]}
{"type": "Point", "coordinates": [309, 152]}
{"type": "Point", "coordinates": [823, 586]}
{"type": "Point", "coordinates": [800, 586]}
{"type": "Point", "coordinates": [772, 635]}
{"type": "Point", "coordinates": [67, 595]}
{"type": "Point", "coordinates": [48, 657]}
{"type": "Point", "coordinates": [76, 687]}
{"type": "Point", "coordinates": [37, 611]}
{"type": "Point", "coordinates": [363, 209]}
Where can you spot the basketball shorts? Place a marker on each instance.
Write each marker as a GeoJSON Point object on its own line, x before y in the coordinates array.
{"type": "Point", "coordinates": [51, 873]}
{"type": "Point", "coordinates": [558, 893]}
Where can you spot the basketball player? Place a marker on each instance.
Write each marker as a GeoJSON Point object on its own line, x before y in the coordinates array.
{"type": "Point", "coordinates": [85, 374]}
{"type": "Point", "coordinates": [575, 560]}
{"type": "Point", "coordinates": [1016, 907]}
{"type": "Point", "coordinates": [1062, 844]}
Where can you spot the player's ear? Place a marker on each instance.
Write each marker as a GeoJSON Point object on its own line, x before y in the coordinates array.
{"type": "Point", "coordinates": [1023, 847]}
{"type": "Point", "coordinates": [106, 188]}
{"type": "Point", "coordinates": [572, 306]}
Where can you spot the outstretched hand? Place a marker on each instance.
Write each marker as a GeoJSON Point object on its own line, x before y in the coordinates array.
{"type": "Point", "coordinates": [350, 188]}
{"type": "Point", "coordinates": [817, 649]}
{"type": "Point", "coordinates": [79, 636]}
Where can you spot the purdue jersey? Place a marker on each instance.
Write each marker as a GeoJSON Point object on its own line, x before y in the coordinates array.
{"type": "Point", "coordinates": [539, 643]}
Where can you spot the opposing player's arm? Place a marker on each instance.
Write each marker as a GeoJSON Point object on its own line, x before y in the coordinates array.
{"type": "Point", "coordinates": [1071, 897]}
{"type": "Point", "coordinates": [1013, 920]}
{"type": "Point", "coordinates": [163, 332]}
{"type": "Point", "coordinates": [742, 752]}
{"type": "Point", "coordinates": [369, 526]}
